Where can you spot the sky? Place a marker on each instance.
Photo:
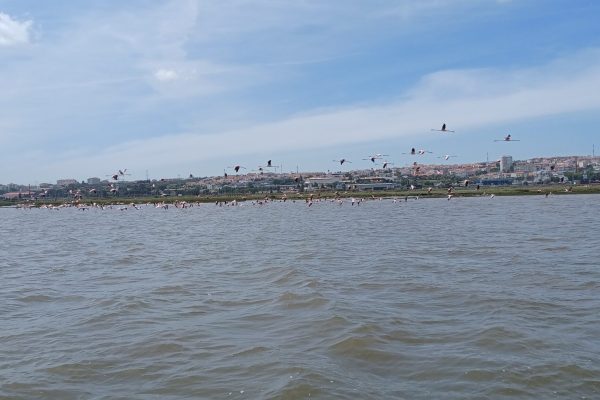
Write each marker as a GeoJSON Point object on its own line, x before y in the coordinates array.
{"type": "Point", "coordinates": [172, 88]}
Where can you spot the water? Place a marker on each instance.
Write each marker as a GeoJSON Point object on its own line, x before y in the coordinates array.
{"type": "Point", "coordinates": [474, 298]}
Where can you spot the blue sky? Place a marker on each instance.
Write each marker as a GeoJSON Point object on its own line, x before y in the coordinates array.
{"type": "Point", "coordinates": [195, 86]}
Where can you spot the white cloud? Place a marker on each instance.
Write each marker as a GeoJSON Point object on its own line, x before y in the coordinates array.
{"type": "Point", "coordinates": [178, 65]}
{"type": "Point", "coordinates": [13, 32]}
{"type": "Point", "coordinates": [165, 75]}
{"type": "Point", "coordinates": [465, 99]}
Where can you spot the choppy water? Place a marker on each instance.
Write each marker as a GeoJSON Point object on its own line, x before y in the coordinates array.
{"type": "Point", "coordinates": [473, 298]}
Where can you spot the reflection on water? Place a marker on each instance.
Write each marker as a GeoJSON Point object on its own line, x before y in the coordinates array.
{"type": "Point", "coordinates": [469, 298]}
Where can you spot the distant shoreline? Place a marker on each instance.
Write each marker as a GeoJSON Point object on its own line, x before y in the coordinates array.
{"type": "Point", "coordinates": [329, 194]}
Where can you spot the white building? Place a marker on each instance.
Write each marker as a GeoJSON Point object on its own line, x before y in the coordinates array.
{"type": "Point", "coordinates": [506, 163]}
{"type": "Point", "coordinates": [66, 182]}
{"type": "Point", "coordinates": [317, 182]}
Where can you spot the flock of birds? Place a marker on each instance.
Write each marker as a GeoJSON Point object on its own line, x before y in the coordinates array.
{"type": "Point", "coordinates": [413, 151]}
{"type": "Point", "coordinates": [374, 158]}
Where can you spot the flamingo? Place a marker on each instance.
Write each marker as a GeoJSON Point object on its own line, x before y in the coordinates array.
{"type": "Point", "coordinates": [342, 161]}
{"type": "Point", "coordinates": [444, 129]}
{"type": "Point", "coordinates": [507, 138]}
{"type": "Point", "coordinates": [446, 156]}
{"type": "Point", "coordinates": [416, 168]}
{"type": "Point", "coordinates": [269, 165]}
{"type": "Point", "coordinates": [236, 168]}
{"type": "Point", "coordinates": [118, 174]}
{"type": "Point", "coordinates": [375, 157]}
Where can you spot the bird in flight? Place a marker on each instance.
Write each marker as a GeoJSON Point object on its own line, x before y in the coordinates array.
{"type": "Point", "coordinates": [236, 168]}
{"type": "Point", "coordinates": [446, 156]}
{"type": "Point", "coordinates": [119, 174]}
{"type": "Point", "coordinates": [507, 138]}
{"type": "Point", "coordinates": [444, 129]}
{"type": "Point", "coordinates": [269, 165]}
{"type": "Point", "coordinates": [342, 161]}
{"type": "Point", "coordinates": [416, 168]}
{"type": "Point", "coordinates": [374, 157]}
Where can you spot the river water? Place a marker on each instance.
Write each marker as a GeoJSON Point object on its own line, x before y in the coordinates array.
{"type": "Point", "coordinates": [472, 298]}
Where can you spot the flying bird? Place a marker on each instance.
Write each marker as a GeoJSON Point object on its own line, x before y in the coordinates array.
{"type": "Point", "coordinates": [342, 161]}
{"type": "Point", "coordinates": [507, 138]}
{"type": "Point", "coordinates": [374, 157]}
{"type": "Point", "coordinates": [446, 157]}
{"type": "Point", "coordinates": [236, 168]}
{"type": "Point", "coordinates": [444, 129]}
{"type": "Point", "coordinates": [118, 174]}
{"type": "Point", "coordinates": [416, 168]}
{"type": "Point", "coordinates": [269, 165]}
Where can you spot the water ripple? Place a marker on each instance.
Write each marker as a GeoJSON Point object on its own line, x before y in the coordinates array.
{"type": "Point", "coordinates": [412, 300]}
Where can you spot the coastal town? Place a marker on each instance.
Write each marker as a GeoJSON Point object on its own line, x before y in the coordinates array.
{"type": "Point", "coordinates": [572, 170]}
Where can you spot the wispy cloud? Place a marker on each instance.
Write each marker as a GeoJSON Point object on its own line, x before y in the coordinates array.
{"type": "Point", "coordinates": [191, 83]}
{"type": "Point", "coordinates": [14, 32]}
{"type": "Point", "coordinates": [165, 75]}
{"type": "Point", "coordinates": [465, 99]}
